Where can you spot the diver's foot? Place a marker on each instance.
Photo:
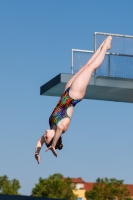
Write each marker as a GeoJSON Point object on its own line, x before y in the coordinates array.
{"type": "Point", "coordinates": [107, 42]}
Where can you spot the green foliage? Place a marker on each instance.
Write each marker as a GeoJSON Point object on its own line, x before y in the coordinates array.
{"type": "Point", "coordinates": [108, 189]}
{"type": "Point", "coordinates": [9, 186]}
{"type": "Point", "coordinates": [55, 186]}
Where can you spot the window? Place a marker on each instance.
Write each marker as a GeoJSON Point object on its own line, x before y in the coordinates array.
{"type": "Point", "coordinates": [79, 186]}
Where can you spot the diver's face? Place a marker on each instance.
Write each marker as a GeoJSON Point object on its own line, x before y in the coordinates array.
{"type": "Point", "coordinates": [48, 136]}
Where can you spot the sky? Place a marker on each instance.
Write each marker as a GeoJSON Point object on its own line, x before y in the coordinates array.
{"type": "Point", "coordinates": [36, 38]}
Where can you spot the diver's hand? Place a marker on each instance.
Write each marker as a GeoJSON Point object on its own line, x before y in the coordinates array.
{"type": "Point", "coordinates": [38, 158]}
{"type": "Point", "coordinates": [52, 148]}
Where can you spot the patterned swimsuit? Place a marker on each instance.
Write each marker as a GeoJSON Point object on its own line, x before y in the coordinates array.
{"type": "Point", "coordinates": [60, 111]}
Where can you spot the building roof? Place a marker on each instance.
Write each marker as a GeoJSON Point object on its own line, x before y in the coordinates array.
{"type": "Point", "coordinates": [130, 188]}
{"type": "Point", "coordinates": [88, 186]}
{"type": "Point", "coordinates": [78, 180]}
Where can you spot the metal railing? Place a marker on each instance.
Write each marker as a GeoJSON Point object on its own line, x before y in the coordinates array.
{"type": "Point", "coordinates": [79, 61]}
{"type": "Point", "coordinates": [114, 65]}
{"type": "Point", "coordinates": [121, 44]}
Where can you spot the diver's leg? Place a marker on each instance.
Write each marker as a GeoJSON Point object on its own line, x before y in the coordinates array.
{"type": "Point", "coordinates": [79, 85]}
{"type": "Point", "coordinates": [88, 62]}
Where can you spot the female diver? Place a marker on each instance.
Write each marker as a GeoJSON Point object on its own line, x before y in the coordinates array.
{"type": "Point", "coordinates": [74, 92]}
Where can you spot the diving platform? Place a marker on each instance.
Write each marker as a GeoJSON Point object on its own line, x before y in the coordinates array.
{"type": "Point", "coordinates": [99, 88]}
{"type": "Point", "coordinates": [112, 81]}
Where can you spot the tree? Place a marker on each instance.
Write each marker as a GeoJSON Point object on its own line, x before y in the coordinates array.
{"type": "Point", "coordinates": [55, 186]}
{"type": "Point", "coordinates": [108, 189]}
{"type": "Point", "coordinates": [9, 186]}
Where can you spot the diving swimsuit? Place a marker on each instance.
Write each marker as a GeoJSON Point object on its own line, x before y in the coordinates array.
{"type": "Point", "coordinates": [60, 111]}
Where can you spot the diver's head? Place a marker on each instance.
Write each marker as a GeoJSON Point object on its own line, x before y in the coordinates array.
{"type": "Point", "coordinates": [49, 135]}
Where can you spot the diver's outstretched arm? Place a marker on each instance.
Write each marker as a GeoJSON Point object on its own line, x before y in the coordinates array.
{"type": "Point", "coordinates": [39, 145]}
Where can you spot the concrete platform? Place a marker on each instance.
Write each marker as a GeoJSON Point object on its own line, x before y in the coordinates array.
{"type": "Point", "coordinates": [99, 88]}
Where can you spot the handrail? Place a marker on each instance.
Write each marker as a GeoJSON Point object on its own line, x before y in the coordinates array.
{"type": "Point", "coordinates": [107, 73]}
